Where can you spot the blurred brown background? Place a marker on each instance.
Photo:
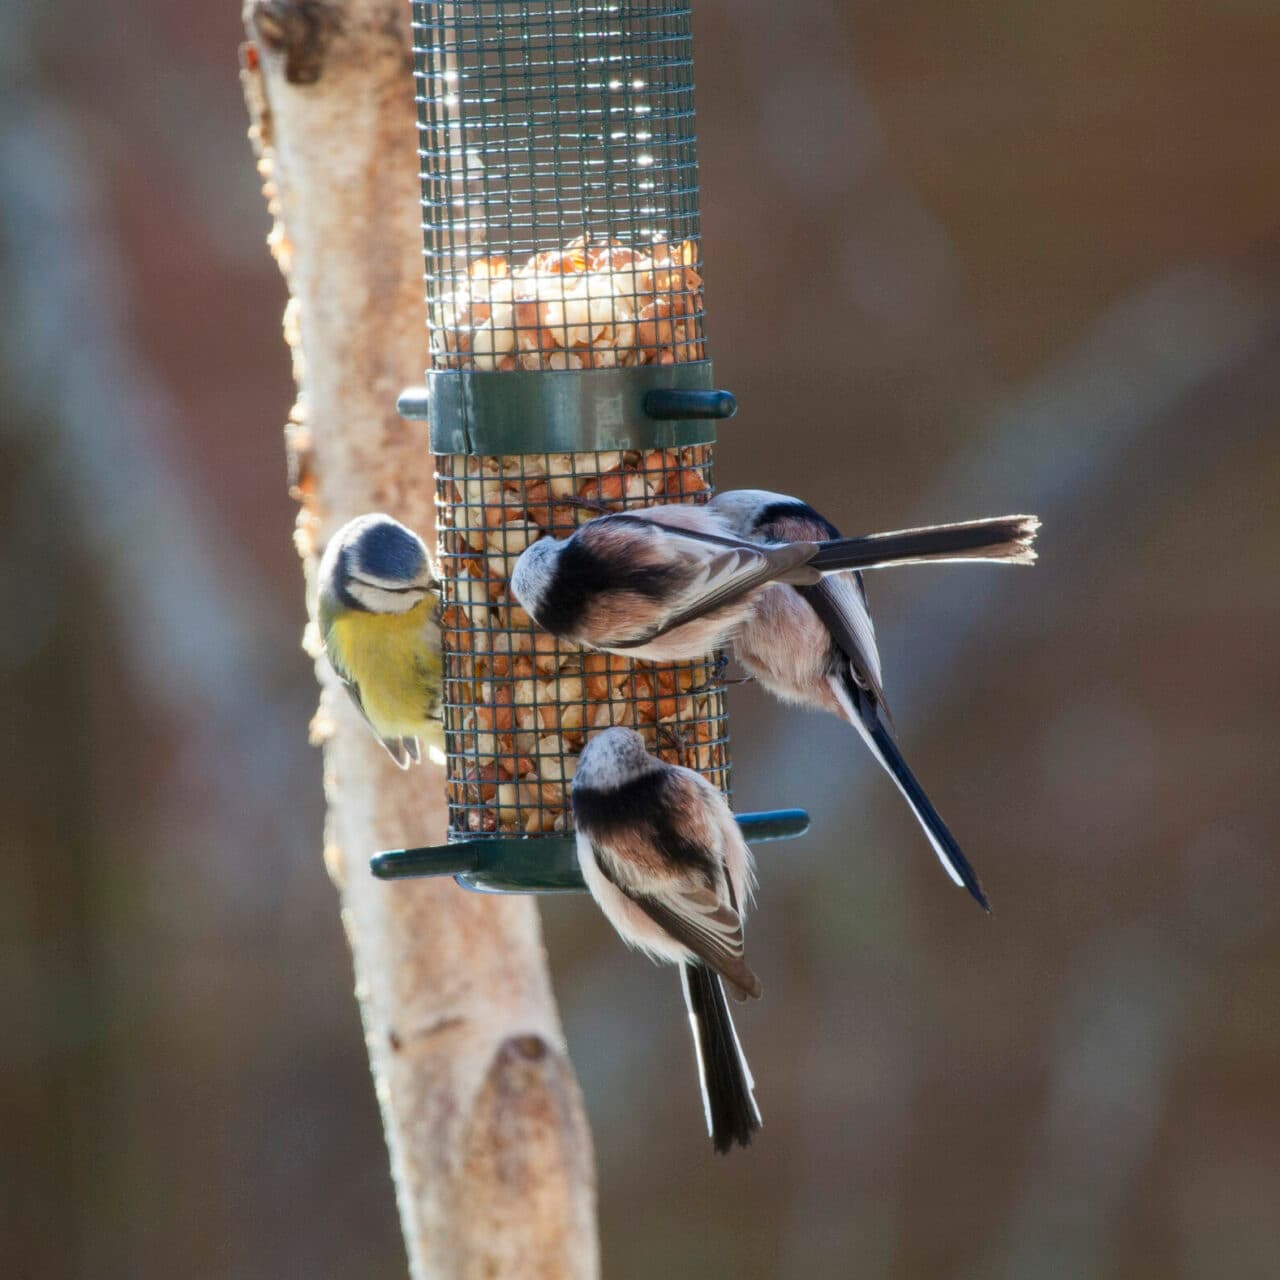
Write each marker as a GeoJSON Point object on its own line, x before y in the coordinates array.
{"type": "Point", "coordinates": [962, 258]}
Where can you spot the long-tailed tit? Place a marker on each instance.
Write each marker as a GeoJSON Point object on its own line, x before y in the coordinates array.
{"type": "Point", "coordinates": [667, 864]}
{"type": "Point", "coordinates": [815, 644]}
{"type": "Point", "coordinates": [670, 583]}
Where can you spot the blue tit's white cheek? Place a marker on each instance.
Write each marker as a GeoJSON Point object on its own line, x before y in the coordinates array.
{"type": "Point", "coordinates": [377, 599]}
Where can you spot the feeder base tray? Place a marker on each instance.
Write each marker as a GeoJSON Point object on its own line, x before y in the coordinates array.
{"type": "Point", "coordinates": [541, 864]}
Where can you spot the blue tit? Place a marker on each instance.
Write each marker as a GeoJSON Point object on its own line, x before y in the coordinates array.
{"type": "Point", "coordinates": [379, 614]}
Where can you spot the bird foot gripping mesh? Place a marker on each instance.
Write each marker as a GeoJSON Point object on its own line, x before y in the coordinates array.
{"type": "Point", "coordinates": [568, 378]}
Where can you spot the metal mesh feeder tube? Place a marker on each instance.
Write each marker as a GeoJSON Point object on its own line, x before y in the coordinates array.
{"type": "Point", "coordinates": [568, 378]}
{"type": "Point", "coordinates": [560, 184]}
{"type": "Point", "coordinates": [519, 704]}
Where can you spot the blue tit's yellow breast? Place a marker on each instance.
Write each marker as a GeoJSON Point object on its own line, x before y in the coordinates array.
{"type": "Point", "coordinates": [394, 658]}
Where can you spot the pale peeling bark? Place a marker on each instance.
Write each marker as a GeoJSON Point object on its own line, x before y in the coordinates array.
{"type": "Point", "coordinates": [489, 1145]}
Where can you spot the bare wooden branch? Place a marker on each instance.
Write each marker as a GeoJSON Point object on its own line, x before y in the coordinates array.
{"type": "Point", "coordinates": [489, 1146]}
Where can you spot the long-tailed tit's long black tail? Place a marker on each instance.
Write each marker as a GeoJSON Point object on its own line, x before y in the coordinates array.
{"type": "Point", "coordinates": [728, 1090]}
{"type": "Point", "coordinates": [865, 717]}
{"type": "Point", "coordinates": [1006, 539]}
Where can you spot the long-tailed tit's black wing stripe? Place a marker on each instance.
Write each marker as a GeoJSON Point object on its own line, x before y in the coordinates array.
{"type": "Point", "coordinates": [731, 834]}
{"type": "Point", "coordinates": [841, 602]}
{"type": "Point", "coordinates": [722, 580]}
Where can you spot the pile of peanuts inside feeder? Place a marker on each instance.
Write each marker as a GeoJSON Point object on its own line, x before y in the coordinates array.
{"type": "Point", "coordinates": [519, 703]}
{"type": "Point", "coordinates": [586, 306]}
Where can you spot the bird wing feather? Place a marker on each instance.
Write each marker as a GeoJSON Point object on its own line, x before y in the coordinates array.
{"type": "Point", "coordinates": [719, 579]}
{"type": "Point", "coordinates": [696, 917]}
{"type": "Point", "coordinates": [840, 600]}
{"type": "Point", "coordinates": [685, 891]}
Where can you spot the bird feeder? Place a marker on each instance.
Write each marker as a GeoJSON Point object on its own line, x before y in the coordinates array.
{"type": "Point", "coordinates": [568, 377]}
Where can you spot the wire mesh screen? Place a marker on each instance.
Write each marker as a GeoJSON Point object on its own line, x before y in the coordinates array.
{"type": "Point", "coordinates": [560, 216]}
{"type": "Point", "coordinates": [560, 185]}
{"type": "Point", "coordinates": [519, 704]}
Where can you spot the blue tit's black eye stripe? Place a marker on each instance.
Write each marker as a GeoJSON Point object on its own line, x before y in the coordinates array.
{"type": "Point", "coordinates": [409, 589]}
{"type": "Point", "coordinates": [340, 582]}
{"type": "Point", "coordinates": [389, 551]}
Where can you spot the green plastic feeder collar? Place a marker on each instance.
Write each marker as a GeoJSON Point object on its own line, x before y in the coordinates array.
{"type": "Point", "coordinates": [570, 411]}
{"type": "Point", "coordinates": [541, 864]}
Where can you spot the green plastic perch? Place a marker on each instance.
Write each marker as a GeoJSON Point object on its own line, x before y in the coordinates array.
{"type": "Point", "coordinates": [541, 864]}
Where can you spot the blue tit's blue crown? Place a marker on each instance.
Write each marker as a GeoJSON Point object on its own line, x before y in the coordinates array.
{"type": "Point", "coordinates": [387, 550]}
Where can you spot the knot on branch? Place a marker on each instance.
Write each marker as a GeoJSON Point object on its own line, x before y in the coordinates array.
{"type": "Point", "coordinates": [300, 30]}
{"type": "Point", "coordinates": [526, 1154]}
